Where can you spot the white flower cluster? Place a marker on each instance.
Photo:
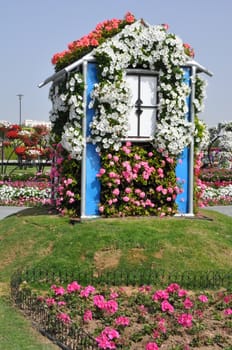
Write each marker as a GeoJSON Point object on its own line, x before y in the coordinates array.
{"type": "Point", "coordinates": [201, 141]}
{"type": "Point", "coordinates": [110, 123]}
{"type": "Point", "coordinates": [58, 103]}
{"type": "Point", "coordinates": [173, 134]}
{"type": "Point", "coordinates": [9, 193]}
{"type": "Point", "coordinates": [218, 193]}
{"type": "Point", "coordinates": [71, 101]}
{"type": "Point", "coordinates": [201, 85]}
{"type": "Point", "coordinates": [4, 124]}
{"type": "Point", "coordinates": [147, 47]}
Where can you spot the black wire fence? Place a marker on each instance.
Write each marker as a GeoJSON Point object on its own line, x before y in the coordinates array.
{"type": "Point", "coordinates": [72, 337]}
{"type": "Point", "coordinates": [188, 279]}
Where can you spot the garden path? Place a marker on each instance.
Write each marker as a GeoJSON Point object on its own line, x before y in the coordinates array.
{"type": "Point", "coordinates": [7, 211]}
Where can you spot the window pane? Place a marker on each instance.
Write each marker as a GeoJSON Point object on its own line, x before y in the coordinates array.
{"type": "Point", "coordinates": [147, 122]}
{"type": "Point", "coordinates": [133, 124]}
{"type": "Point", "coordinates": [149, 90]}
{"type": "Point", "coordinates": [132, 81]}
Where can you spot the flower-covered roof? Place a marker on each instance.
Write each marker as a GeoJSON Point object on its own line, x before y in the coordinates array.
{"type": "Point", "coordinates": [103, 31]}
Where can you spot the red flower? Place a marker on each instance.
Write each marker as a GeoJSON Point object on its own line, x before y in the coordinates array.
{"type": "Point", "coordinates": [12, 134]}
{"type": "Point", "coordinates": [20, 150]}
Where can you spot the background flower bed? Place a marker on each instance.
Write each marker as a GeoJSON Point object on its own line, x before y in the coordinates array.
{"type": "Point", "coordinates": [142, 317]}
{"type": "Point", "coordinates": [25, 193]}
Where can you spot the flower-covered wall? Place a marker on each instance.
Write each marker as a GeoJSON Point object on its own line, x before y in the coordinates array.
{"type": "Point", "coordinates": [99, 169]}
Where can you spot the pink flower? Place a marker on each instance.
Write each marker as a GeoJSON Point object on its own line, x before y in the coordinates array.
{"type": "Point", "coordinates": [101, 172]}
{"type": "Point", "coordinates": [188, 303]}
{"type": "Point", "coordinates": [111, 333]}
{"type": "Point", "coordinates": [161, 326]}
{"type": "Point", "coordinates": [126, 199]}
{"type": "Point", "coordinates": [68, 181]}
{"type": "Point", "coordinates": [126, 150]}
{"type": "Point", "coordinates": [159, 188]}
{"type": "Point", "coordinates": [173, 287]}
{"type": "Point", "coordinates": [227, 299]}
{"type": "Point", "coordinates": [136, 157]}
{"type": "Point", "coordinates": [150, 154]}
{"type": "Point", "coordinates": [203, 298]}
{"type": "Point", "coordinates": [87, 291]}
{"type": "Point", "coordinates": [73, 287]}
{"type": "Point", "coordinates": [145, 289]}
{"type": "Point", "coordinates": [185, 320]}
{"type": "Point", "coordinates": [128, 190]}
{"type": "Point", "coordinates": [104, 342]}
{"type": "Point", "coordinates": [122, 321]}
{"type": "Point", "coordinates": [61, 303]}
{"type": "Point", "coordinates": [101, 209]}
{"type": "Point", "coordinates": [169, 160]}
{"type": "Point", "coordinates": [160, 294]}
{"type": "Point", "coordinates": [142, 309]}
{"type": "Point", "coordinates": [111, 306]}
{"type": "Point", "coordinates": [50, 301]}
{"type": "Point", "coordinates": [58, 290]}
{"type": "Point", "coordinates": [116, 192]}
{"type": "Point", "coordinates": [152, 346]}
{"type": "Point", "coordinates": [182, 293]}
{"type": "Point", "coordinates": [116, 158]}
{"type": "Point", "coordinates": [65, 318]}
{"type": "Point", "coordinates": [114, 295]}
{"type": "Point", "coordinates": [112, 175]}
{"type": "Point", "coordinates": [99, 301]}
{"type": "Point", "coordinates": [70, 194]}
{"type": "Point", "coordinates": [228, 312]}
{"type": "Point", "coordinates": [88, 316]}
{"type": "Point", "coordinates": [166, 306]}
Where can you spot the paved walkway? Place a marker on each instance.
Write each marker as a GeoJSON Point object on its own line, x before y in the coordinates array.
{"type": "Point", "coordinates": [226, 209]}
{"type": "Point", "coordinates": [6, 211]}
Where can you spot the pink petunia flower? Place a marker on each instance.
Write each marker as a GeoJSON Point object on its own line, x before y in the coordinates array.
{"type": "Point", "coordinates": [188, 303]}
{"type": "Point", "coordinates": [185, 320]}
{"type": "Point", "coordinates": [88, 316]}
{"type": "Point", "coordinates": [122, 321]}
{"type": "Point", "coordinates": [203, 298]}
{"type": "Point", "coordinates": [152, 346]}
{"type": "Point", "coordinates": [166, 306]}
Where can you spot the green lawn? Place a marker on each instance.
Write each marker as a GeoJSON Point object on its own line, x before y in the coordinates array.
{"type": "Point", "coordinates": [35, 239]}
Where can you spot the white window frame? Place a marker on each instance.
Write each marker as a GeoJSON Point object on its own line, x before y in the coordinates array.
{"type": "Point", "coordinates": [139, 107]}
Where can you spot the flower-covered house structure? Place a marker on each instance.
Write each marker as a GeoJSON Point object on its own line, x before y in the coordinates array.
{"type": "Point", "coordinates": [125, 131]}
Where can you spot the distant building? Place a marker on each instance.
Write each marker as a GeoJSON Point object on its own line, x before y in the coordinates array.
{"type": "Point", "coordinates": [31, 123]}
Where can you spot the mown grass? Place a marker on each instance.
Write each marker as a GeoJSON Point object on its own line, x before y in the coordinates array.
{"type": "Point", "coordinates": [51, 242]}
{"type": "Point", "coordinates": [16, 332]}
{"type": "Point", "coordinates": [33, 238]}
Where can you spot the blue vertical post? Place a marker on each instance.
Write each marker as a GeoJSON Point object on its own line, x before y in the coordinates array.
{"type": "Point", "coordinates": [183, 167]}
{"type": "Point", "coordinates": [92, 159]}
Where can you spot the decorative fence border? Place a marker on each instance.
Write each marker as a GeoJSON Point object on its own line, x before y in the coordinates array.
{"type": "Point", "coordinates": [71, 337]}
{"type": "Point", "coordinates": [189, 279]}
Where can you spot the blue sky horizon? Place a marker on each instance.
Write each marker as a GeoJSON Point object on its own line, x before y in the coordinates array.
{"type": "Point", "coordinates": [31, 32]}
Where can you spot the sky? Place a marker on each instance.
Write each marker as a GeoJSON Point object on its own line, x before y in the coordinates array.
{"type": "Point", "coordinates": [31, 31]}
